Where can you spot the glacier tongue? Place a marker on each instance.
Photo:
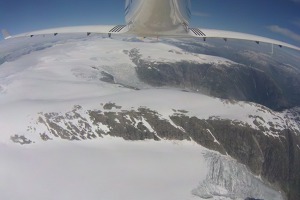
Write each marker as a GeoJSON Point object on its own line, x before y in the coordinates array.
{"type": "Point", "coordinates": [228, 179]}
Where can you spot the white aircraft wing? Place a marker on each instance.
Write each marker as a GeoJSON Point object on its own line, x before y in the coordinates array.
{"type": "Point", "coordinates": [212, 33]}
{"type": "Point", "coordinates": [123, 29]}
{"type": "Point", "coordinates": [108, 29]}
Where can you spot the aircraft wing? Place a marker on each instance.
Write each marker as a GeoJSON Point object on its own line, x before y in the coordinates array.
{"type": "Point", "coordinates": [108, 29]}
{"type": "Point", "coordinates": [123, 29]}
{"type": "Point", "coordinates": [212, 33]}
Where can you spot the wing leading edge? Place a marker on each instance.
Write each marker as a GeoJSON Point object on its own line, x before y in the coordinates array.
{"type": "Point", "coordinates": [212, 33]}
{"type": "Point", "coordinates": [109, 29]}
{"type": "Point", "coordinates": [123, 29]}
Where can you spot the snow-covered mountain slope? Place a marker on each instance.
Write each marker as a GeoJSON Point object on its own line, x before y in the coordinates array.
{"type": "Point", "coordinates": [109, 169]}
{"type": "Point", "coordinates": [272, 80]}
{"type": "Point", "coordinates": [77, 72]}
{"type": "Point", "coordinates": [228, 179]}
{"type": "Point", "coordinates": [112, 168]}
{"type": "Point", "coordinates": [89, 90]}
{"type": "Point", "coordinates": [165, 103]}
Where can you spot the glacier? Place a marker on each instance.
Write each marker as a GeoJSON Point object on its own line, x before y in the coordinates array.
{"type": "Point", "coordinates": [56, 76]}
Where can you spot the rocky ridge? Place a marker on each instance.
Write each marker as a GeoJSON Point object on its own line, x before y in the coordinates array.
{"type": "Point", "coordinates": [259, 77]}
{"type": "Point", "coordinates": [248, 143]}
{"type": "Point", "coordinates": [228, 81]}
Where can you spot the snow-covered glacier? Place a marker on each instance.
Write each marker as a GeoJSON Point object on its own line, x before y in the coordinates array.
{"type": "Point", "coordinates": [91, 128]}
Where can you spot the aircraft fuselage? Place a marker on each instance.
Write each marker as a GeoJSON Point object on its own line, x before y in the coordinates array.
{"type": "Point", "coordinates": [157, 17]}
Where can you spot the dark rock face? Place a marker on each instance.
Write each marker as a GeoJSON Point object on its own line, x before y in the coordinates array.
{"type": "Point", "coordinates": [260, 78]}
{"type": "Point", "coordinates": [276, 159]}
{"type": "Point", "coordinates": [236, 82]}
{"type": "Point", "coordinates": [129, 125]}
{"type": "Point", "coordinates": [273, 158]}
{"type": "Point", "coordinates": [21, 139]}
{"type": "Point", "coordinates": [281, 68]}
{"type": "Point", "coordinates": [107, 77]}
{"type": "Point", "coordinates": [230, 82]}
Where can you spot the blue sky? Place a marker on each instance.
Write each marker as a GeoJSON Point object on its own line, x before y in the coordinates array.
{"type": "Point", "coordinates": [278, 19]}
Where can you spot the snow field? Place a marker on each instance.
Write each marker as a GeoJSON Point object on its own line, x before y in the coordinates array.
{"type": "Point", "coordinates": [108, 169]}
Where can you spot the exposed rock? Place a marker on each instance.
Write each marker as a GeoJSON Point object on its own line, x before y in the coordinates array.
{"type": "Point", "coordinates": [109, 106]}
{"type": "Point", "coordinates": [248, 82]}
{"type": "Point", "coordinates": [274, 156]}
{"type": "Point", "coordinates": [45, 137]}
{"type": "Point", "coordinates": [270, 72]}
{"type": "Point", "coordinates": [21, 139]}
{"type": "Point", "coordinates": [106, 77]}
{"type": "Point", "coordinates": [235, 82]}
{"type": "Point", "coordinates": [230, 179]}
